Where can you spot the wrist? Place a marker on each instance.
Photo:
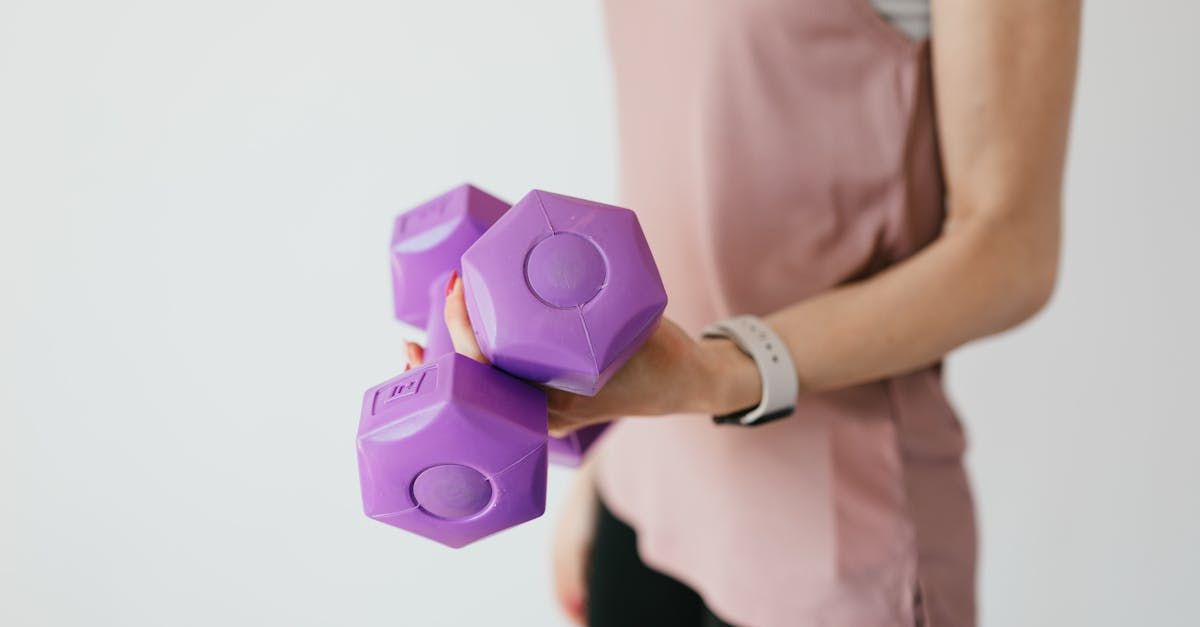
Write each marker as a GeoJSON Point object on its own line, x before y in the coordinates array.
{"type": "Point", "coordinates": [732, 380]}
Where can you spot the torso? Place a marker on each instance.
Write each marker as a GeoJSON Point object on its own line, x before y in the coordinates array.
{"type": "Point", "coordinates": [775, 149]}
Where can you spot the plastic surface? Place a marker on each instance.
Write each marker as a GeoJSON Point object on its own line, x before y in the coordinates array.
{"type": "Point", "coordinates": [565, 270]}
{"type": "Point", "coordinates": [453, 411]}
{"type": "Point", "coordinates": [562, 290]}
{"type": "Point", "coordinates": [429, 240]}
{"type": "Point", "coordinates": [452, 491]}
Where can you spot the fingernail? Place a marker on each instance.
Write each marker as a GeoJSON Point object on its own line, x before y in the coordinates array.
{"type": "Point", "coordinates": [450, 283]}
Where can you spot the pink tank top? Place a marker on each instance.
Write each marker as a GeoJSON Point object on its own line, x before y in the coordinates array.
{"type": "Point", "coordinates": [774, 149]}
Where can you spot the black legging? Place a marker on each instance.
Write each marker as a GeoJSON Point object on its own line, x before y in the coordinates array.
{"type": "Point", "coordinates": [624, 592]}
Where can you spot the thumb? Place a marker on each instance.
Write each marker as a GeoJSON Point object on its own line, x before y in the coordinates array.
{"type": "Point", "coordinates": [462, 335]}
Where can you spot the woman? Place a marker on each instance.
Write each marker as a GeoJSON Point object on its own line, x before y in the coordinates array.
{"type": "Point", "coordinates": [875, 200]}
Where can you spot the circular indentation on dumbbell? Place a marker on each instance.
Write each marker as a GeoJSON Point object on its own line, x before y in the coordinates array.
{"type": "Point", "coordinates": [565, 270]}
{"type": "Point", "coordinates": [452, 491]}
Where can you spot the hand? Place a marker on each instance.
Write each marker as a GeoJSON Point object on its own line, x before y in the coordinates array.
{"type": "Point", "coordinates": [573, 539]}
{"type": "Point", "coordinates": [671, 373]}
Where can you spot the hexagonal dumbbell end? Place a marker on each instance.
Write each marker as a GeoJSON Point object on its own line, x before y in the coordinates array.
{"type": "Point", "coordinates": [562, 291]}
{"type": "Point", "coordinates": [429, 240]}
{"type": "Point", "coordinates": [454, 451]}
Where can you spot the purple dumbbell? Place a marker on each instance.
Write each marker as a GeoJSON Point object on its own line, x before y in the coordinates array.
{"type": "Point", "coordinates": [560, 291]}
{"type": "Point", "coordinates": [453, 450]}
{"type": "Point", "coordinates": [428, 242]}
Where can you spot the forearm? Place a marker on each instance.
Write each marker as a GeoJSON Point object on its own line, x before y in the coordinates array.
{"type": "Point", "coordinates": [978, 278]}
{"type": "Point", "coordinates": [988, 271]}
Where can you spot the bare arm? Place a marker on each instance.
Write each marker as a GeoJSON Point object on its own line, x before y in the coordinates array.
{"type": "Point", "coordinates": [1004, 73]}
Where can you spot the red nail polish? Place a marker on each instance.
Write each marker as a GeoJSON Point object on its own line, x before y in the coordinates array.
{"type": "Point", "coordinates": [451, 282]}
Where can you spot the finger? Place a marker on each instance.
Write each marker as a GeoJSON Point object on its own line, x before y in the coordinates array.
{"type": "Point", "coordinates": [569, 585]}
{"type": "Point", "coordinates": [572, 605]}
{"type": "Point", "coordinates": [560, 426]}
{"type": "Point", "coordinates": [416, 354]}
{"type": "Point", "coordinates": [575, 610]}
{"type": "Point", "coordinates": [458, 323]}
{"type": "Point", "coordinates": [569, 412]}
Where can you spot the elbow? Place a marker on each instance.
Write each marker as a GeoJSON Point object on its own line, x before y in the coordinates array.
{"type": "Point", "coordinates": [1020, 260]}
{"type": "Point", "coordinates": [1034, 289]}
{"type": "Point", "coordinates": [1029, 277]}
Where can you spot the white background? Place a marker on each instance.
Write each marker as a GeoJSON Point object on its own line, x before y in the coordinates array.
{"type": "Point", "coordinates": [195, 200]}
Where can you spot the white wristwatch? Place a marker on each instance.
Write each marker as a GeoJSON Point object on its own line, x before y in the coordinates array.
{"type": "Point", "coordinates": [779, 385]}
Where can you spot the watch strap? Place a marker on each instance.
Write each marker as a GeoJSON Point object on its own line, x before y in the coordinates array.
{"type": "Point", "coordinates": [779, 383]}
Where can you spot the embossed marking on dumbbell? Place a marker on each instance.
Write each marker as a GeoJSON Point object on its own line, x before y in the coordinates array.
{"type": "Point", "coordinates": [407, 387]}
